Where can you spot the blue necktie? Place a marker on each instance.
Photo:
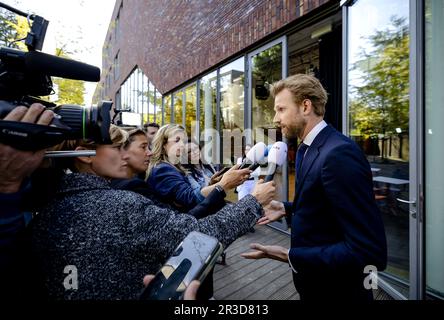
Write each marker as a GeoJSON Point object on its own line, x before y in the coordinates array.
{"type": "Point", "coordinates": [299, 157]}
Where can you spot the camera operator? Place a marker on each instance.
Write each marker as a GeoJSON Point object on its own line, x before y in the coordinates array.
{"type": "Point", "coordinates": [15, 168]}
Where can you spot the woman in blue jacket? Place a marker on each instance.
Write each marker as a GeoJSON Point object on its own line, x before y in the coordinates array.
{"type": "Point", "coordinates": [167, 176]}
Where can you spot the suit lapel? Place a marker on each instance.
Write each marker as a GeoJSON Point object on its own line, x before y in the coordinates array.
{"type": "Point", "coordinates": [311, 156]}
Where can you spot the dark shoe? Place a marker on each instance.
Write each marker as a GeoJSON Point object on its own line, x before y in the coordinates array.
{"type": "Point", "coordinates": [223, 259]}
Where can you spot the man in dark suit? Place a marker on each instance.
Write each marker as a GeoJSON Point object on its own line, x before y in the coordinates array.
{"type": "Point", "coordinates": [336, 230]}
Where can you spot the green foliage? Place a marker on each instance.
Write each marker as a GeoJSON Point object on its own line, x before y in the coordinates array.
{"type": "Point", "coordinates": [12, 28]}
{"type": "Point", "coordinates": [69, 91]}
{"type": "Point", "coordinates": [381, 103]}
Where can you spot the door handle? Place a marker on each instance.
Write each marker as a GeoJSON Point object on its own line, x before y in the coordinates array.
{"type": "Point", "coordinates": [406, 201]}
{"type": "Point", "coordinates": [412, 202]}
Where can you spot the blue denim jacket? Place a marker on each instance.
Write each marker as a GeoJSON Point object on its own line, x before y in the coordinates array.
{"type": "Point", "coordinates": [199, 177]}
{"type": "Point", "coordinates": [171, 186]}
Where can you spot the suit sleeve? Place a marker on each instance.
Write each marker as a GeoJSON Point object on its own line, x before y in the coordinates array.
{"type": "Point", "coordinates": [288, 207]}
{"type": "Point", "coordinates": [347, 182]}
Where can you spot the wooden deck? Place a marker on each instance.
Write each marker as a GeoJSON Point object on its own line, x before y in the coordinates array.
{"type": "Point", "coordinates": [263, 279]}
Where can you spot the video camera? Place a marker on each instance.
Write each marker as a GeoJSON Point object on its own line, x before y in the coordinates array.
{"type": "Point", "coordinates": [24, 76]}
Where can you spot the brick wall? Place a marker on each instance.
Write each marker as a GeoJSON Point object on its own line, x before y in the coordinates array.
{"type": "Point", "coordinates": [175, 40]}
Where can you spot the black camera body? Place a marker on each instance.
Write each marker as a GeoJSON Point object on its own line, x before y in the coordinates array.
{"type": "Point", "coordinates": [24, 76]}
{"type": "Point", "coordinates": [70, 122]}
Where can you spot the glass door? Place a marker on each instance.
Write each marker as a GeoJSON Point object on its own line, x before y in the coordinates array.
{"type": "Point", "coordinates": [265, 66]}
{"type": "Point", "coordinates": [433, 13]}
{"type": "Point", "coordinates": [378, 113]}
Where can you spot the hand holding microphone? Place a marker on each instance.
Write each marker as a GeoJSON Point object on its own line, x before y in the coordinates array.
{"type": "Point", "coordinates": [252, 158]}
{"type": "Point", "coordinates": [234, 177]}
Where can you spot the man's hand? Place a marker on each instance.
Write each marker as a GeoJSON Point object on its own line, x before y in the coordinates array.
{"type": "Point", "coordinates": [271, 252]}
{"type": "Point", "coordinates": [273, 211]}
{"type": "Point", "coordinates": [16, 165]}
{"type": "Point", "coordinates": [190, 292]}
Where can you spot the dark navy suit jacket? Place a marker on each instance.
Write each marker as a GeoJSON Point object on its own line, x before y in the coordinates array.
{"type": "Point", "coordinates": [336, 229]}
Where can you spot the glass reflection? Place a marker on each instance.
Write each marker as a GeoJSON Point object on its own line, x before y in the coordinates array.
{"type": "Point", "coordinates": [232, 79]}
{"type": "Point", "coordinates": [158, 108]}
{"type": "Point", "coordinates": [378, 94]}
{"type": "Point", "coordinates": [178, 108]}
{"type": "Point", "coordinates": [266, 69]}
{"type": "Point", "coordinates": [208, 86]}
{"type": "Point", "coordinates": [190, 111]}
{"type": "Point", "coordinates": [434, 147]}
{"type": "Point", "coordinates": [167, 109]}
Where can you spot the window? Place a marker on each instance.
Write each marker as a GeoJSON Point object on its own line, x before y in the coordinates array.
{"type": "Point", "coordinates": [178, 107]}
{"type": "Point", "coordinates": [116, 67]}
{"type": "Point", "coordinates": [232, 109]}
{"type": "Point", "coordinates": [208, 129]}
{"type": "Point", "coordinates": [118, 105]}
{"type": "Point", "coordinates": [190, 111]}
{"type": "Point", "coordinates": [378, 111]}
{"type": "Point", "coordinates": [167, 109]}
{"type": "Point", "coordinates": [158, 108]}
{"type": "Point", "coordinates": [137, 96]}
{"type": "Point", "coordinates": [151, 102]}
{"type": "Point", "coordinates": [117, 25]}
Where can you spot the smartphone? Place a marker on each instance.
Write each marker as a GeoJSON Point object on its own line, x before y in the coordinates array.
{"type": "Point", "coordinates": [192, 260]}
{"type": "Point", "coordinates": [221, 171]}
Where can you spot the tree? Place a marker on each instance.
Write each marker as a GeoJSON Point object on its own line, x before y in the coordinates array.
{"type": "Point", "coordinates": [381, 103]}
{"type": "Point", "coordinates": [69, 91]}
{"type": "Point", "coordinates": [12, 29]}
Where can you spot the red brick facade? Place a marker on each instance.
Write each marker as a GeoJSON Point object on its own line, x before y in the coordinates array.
{"type": "Point", "coordinates": [172, 41]}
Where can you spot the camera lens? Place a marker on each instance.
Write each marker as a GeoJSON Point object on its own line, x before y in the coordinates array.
{"type": "Point", "coordinates": [87, 123]}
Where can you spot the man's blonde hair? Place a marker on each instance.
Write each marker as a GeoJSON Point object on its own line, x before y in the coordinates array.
{"type": "Point", "coordinates": [303, 86]}
{"type": "Point", "coordinates": [157, 147]}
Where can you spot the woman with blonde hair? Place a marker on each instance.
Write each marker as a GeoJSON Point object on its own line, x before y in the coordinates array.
{"type": "Point", "coordinates": [167, 177]}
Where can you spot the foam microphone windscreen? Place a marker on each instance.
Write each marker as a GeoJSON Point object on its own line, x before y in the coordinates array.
{"type": "Point", "coordinates": [257, 152]}
{"type": "Point", "coordinates": [276, 157]}
{"type": "Point", "coordinates": [278, 153]}
{"type": "Point", "coordinates": [40, 62]}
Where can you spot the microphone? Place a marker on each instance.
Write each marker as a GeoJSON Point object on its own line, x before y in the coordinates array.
{"type": "Point", "coordinates": [253, 156]}
{"type": "Point", "coordinates": [276, 157]}
{"type": "Point", "coordinates": [39, 62]}
{"type": "Point", "coordinates": [255, 165]}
